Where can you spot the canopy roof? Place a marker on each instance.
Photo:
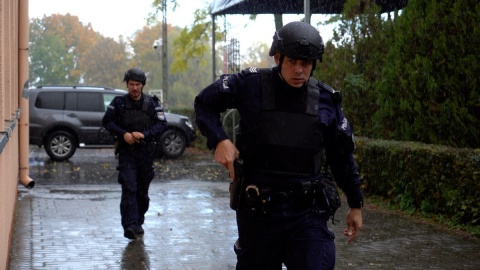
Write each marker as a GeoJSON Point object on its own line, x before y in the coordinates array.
{"type": "Point", "coordinates": [224, 7]}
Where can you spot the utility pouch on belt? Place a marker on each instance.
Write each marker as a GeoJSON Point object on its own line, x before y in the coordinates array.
{"type": "Point", "coordinates": [326, 196]}
{"type": "Point", "coordinates": [236, 186]}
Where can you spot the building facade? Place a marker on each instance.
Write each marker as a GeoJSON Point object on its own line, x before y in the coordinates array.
{"type": "Point", "coordinates": [14, 145]}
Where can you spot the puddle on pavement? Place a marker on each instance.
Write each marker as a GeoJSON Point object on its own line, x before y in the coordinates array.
{"type": "Point", "coordinates": [98, 166]}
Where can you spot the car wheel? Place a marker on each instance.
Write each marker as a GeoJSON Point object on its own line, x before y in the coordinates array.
{"type": "Point", "coordinates": [171, 144]}
{"type": "Point", "coordinates": [60, 145]}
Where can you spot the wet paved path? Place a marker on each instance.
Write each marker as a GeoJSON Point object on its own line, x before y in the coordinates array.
{"type": "Point", "coordinates": [71, 220]}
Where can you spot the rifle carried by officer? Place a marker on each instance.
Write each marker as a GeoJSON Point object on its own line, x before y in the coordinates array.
{"type": "Point", "coordinates": [236, 186]}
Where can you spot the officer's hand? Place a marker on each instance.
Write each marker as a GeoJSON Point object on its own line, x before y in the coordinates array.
{"type": "Point", "coordinates": [138, 136]}
{"type": "Point", "coordinates": [128, 137]}
{"type": "Point", "coordinates": [225, 154]}
{"type": "Point", "coordinates": [354, 223]}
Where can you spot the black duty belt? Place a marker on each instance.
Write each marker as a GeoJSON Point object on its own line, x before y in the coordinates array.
{"type": "Point", "coordinates": [262, 198]}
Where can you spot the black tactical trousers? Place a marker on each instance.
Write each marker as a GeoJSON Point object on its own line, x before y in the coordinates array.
{"type": "Point", "coordinates": [136, 172]}
{"type": "Point", "coordinates": [298, 238]}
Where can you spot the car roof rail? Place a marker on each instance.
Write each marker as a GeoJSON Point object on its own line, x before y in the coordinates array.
{"type": "Point", "coordinates": [75, 87]}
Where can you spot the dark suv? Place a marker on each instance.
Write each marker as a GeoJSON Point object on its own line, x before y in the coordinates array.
{"type": "Point", "coordinates": [63, 118]}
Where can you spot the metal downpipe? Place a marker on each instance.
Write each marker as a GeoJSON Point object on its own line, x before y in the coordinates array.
{"type": "Point", "coordinates": [23, 142]}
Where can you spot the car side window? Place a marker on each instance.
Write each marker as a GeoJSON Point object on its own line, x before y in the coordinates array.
{"type": "Point", "coordinates": [71, 102]}
{"type": "Point", "coordinates": [86, 102]}
{"type": "Point", "coordinates": [50, 100]}
{"type": "Point", "coordinates": [89, 102]}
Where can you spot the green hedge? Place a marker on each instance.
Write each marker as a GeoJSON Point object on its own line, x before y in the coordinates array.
{"type": "Point", "coordinates": [433, 179]}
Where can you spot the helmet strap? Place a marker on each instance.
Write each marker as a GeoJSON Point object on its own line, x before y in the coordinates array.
{"type": "Point", "coordinates": [280, 62]}
{"type": "Point", "coordinates": [314, 65]}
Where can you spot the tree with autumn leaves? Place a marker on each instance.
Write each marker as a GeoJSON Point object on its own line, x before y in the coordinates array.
{"type": "Point", "coordinates": [65, 51]}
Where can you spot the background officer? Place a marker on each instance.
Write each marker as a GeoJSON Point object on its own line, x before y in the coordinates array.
{"type": "Point", "coordinates": [288, 120]}
{"type": "Point", "coordinates": [135, 119]}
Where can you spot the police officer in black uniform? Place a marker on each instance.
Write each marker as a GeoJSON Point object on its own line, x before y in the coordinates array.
{"type": "Point", "coordinates": [135, 119]}
{"type": "Point", "coordinates": [289, 121]}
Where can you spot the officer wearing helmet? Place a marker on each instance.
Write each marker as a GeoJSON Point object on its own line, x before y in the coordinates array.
{"type": "Point", "coordinates": [135, 119]}
{"type": "Point", "coordinates": [291, 128]}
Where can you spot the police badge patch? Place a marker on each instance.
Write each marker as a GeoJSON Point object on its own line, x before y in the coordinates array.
{"type": "Point", "coordinates": [225, 82]}
{"type": "Point", "coordinates": [161, 116]}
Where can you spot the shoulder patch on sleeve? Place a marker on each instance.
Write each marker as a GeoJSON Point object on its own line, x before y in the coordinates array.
{"type": "Point", "coordinates": [161, 116]}
{"type": "Point", "coordinates": [255, 70]}
{"type": "Point", "coordinates": [251, 70]}
{"type": "Point", "coordinates": [225, 81]}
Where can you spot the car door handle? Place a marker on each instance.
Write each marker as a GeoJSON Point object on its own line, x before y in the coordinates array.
{"type": "Point", "coordinates": [71, 115]}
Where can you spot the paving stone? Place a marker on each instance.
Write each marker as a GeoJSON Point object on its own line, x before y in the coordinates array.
{"type": "Point", "coordinates": [76, 225]}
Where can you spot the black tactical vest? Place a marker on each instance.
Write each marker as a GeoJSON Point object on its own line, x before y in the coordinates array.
{"type": "Point", "coordinates": [137, 120]}
{"type": "Point", "coordinates": [283, 143]}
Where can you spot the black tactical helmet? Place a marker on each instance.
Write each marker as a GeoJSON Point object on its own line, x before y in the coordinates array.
{"type": "Point", "coordinates": [298, 40]}
{"type": "Point", "coordinates": [135, 74]}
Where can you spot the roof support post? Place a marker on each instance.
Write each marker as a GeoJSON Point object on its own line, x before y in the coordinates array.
{"type": "Point", "coordinates": [306, 7]}
{"type": "Point", "coordinates": [214, 62]}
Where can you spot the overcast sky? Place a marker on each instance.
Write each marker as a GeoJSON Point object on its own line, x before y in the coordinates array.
{"type": "Point", "coordinates": [113, 18]}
